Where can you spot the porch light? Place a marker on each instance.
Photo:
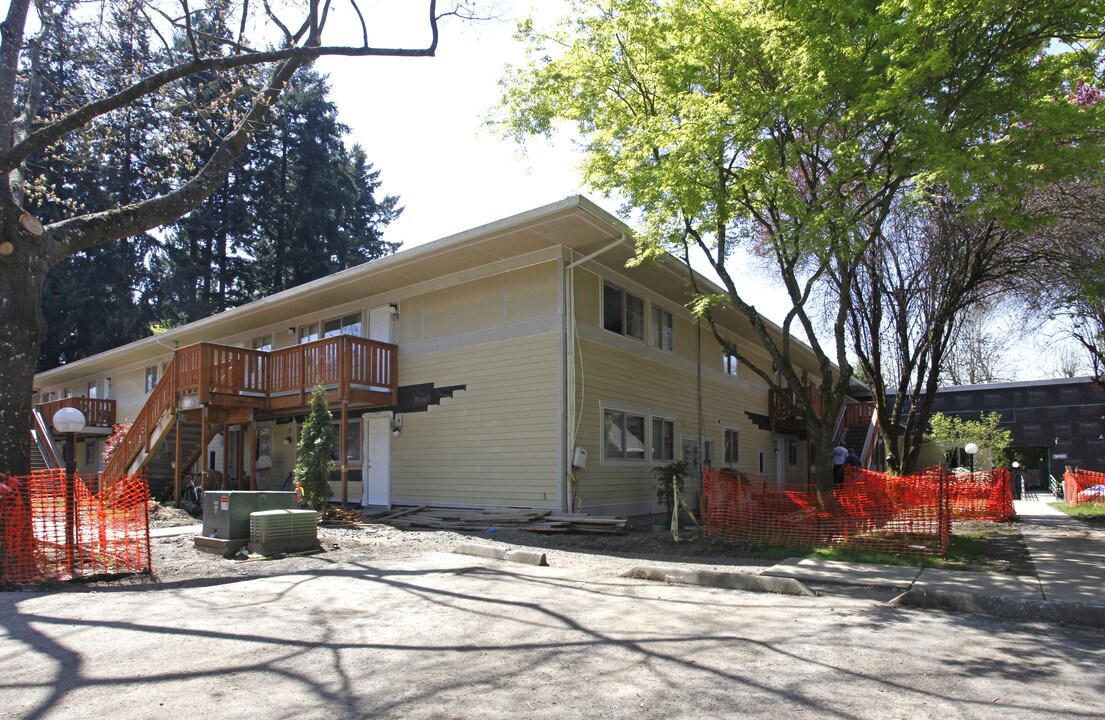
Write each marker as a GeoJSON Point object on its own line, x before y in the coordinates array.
{"type": "Point", "coordinates": [971, 449]}
{"type": "Point", "coordinates": [68, 420]}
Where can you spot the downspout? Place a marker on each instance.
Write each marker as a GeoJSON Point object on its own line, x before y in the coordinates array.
{"type": "Point", "coordinates": [567, 365]}
{"type": "Point", "coordinates": [570, 426]}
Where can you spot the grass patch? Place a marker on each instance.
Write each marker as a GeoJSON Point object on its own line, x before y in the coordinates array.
{"type": "Point", "coordinates": [1089, 513]}
{"type": "Point", "coordinates": [973, 546]}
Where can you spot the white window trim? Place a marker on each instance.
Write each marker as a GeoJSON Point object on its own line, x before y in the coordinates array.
{"type": "Point", "coordinates": [622, 408]}
{"type": "Point", "coordinates": [671, 315]}
{"type": "Point", "coordinates": [645, 312]}
{"type": "Point", "coordinates": [725, 356]}
{"type": "Point", "coordinates": [661, 415]}
{"type": "Point", "coordinates": [723, 461]}
{"type": "Point", "coordinates": [340, 318]}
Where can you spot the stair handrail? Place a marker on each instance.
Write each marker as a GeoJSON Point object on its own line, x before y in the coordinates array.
{"type": "Point", "coordinates": [136, 439]}
{"type": "Point", "coordinates": [44, 439]}
{"type": "Point", "coordinates": [870, 440]}
{"type": "Point", "coordinates": [838, 431]}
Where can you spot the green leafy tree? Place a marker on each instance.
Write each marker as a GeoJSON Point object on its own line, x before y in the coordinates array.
{"type": "Point", "coordinates": [790, 129]}
{"type": "Point", "coordinates": [951, 433]}
{"type": "Point", "coordinates": [315, 455]}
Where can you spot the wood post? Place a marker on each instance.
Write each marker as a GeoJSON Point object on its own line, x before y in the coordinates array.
{"type": "Point", "coordinates": [253, 452]}
{"type": "Point", "coordinates": [344, 453]}
{"type": "Point", "coordinates": [226, 456]}
{"type": "Point", "coordinates": [203, 448]}
{"type": "Point", "coordinates": [239, 457]}
{"type": "Point", "coordinates": [178, 451]}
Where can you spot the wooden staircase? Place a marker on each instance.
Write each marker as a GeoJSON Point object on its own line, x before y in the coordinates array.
{"type": "Point", "coordinates": [223, 385]}
{"type": "Point", "coordinates": [44, 454]}
{"type": "Point", "coordinates": [857, 430]}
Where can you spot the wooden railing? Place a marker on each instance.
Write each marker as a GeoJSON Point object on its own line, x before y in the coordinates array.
{"type": "Point", "coordinates": [97, 412]}
{"type": "Point", "coordinates": [858, 414]}
{"type": "Point", "coordinates": [343, 362]}
{"type": "Point", "coordinates": [139, 435]}
{"type": "Point", "coordinates": [783, 407]}
{"type": "Point", "coordinates": [45, 440]}
{"type": "Point", "coordinates": [210, 372]}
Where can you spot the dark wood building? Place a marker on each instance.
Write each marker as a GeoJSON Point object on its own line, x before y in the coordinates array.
{"type": "Point", "coordinates": [1055, 423]}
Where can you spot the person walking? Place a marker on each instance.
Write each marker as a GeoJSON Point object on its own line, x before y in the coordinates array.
{"type": "Point", "coordinates": [840, 456]}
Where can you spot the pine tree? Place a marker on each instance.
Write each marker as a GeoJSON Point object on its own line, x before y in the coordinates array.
{"type": "Point", "coordinates": [315, 455]}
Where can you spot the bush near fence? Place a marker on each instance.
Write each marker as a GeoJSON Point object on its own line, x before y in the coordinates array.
{"type": "Point", "coordinates": [107, 531]}
{"type": "Point", "coordinates": [1083, 486]}
{"type": "Point", "coordinates": [909, 515]}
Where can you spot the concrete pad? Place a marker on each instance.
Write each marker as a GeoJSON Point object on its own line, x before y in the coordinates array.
{"type": "Point", "coordinates": [1068, 555]}
{"type": "Point", "coordinates": [726, 580]}
{"type": "Point", "coordinates": [1023, 609]}
{"type": "Point", "coordinates": [175, 531]}
{"type": "Point", "coordinates": [986, 583]}
{"type": "Point", "coordinates": [845, 573]}
{"type": "Point", "coordinates": [529, 557]}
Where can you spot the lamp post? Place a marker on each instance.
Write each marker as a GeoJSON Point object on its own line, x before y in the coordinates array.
{"type": "Point", "coordinates": [1019, 486]}
{"type": "Point", "coordinates": [70, 421]}
{"type": "Point", "coordinates": [971, 449]}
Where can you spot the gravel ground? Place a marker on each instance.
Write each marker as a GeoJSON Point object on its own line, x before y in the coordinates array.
{"type": "Point", "coordinates": [177, 561]}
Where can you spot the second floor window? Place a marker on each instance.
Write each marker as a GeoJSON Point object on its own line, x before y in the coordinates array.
{"type": "Point", "coordinates": [623, 313]}
{"type": "Point", "coordinates": [730, 363]}
{"type": "Point", "coordinates": [263, 342]}
{"type": "Point", "coordinates": [663, 337]}
{"type": "Point", "coordinates": [308, 333]}
{"type": "Point", "coordinates": [151, 378]}
{"type": "Point", "coordinates": [345, 325]}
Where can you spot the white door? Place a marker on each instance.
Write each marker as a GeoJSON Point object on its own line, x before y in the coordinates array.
{"type": "Point", "coordinates": [377, 461]}
{"type": "Point", "coordinates": [379, 324]}
{"type": "Point", "coordinates": [780, 462]}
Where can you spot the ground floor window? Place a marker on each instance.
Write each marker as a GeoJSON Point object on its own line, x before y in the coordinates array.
{"type": "Point", "coordinates": [625, 435]}
{"type": "Point", "coordinates": [731, 447]}
{"type": "Point", "coordinates": [663, 440]}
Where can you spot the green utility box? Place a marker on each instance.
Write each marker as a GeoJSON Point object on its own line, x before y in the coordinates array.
{"type": "Point", "coordinates": [226, 514]}
{"type": "Point", "coordinates": [283, 531]}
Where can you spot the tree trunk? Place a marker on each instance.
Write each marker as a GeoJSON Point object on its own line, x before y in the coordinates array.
{"type": "Point", "coordinates": [22, 274]}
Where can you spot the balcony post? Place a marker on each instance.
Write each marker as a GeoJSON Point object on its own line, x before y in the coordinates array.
{"type": "Point", "coordinates": [203, 448]}
{"type": "Point", "coordinates": [252, 451]}
{"type": "Point", "coordinates": [178, 450]}
{"type": "Point", "coordinates": [344, 453]}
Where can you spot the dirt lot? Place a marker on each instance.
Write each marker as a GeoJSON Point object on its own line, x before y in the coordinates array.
{"type": "Point", "coordinates": [392, 624]}
{"type": "Point", "coordinates": [176, 560]}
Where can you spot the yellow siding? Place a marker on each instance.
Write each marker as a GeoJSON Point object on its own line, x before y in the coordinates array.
{"type": "Point", "coordinates": [614, 377]}
{"type": "Point", "coordinates": [494, 443]}
{"type": "Point", "coordinates": [629, 374]}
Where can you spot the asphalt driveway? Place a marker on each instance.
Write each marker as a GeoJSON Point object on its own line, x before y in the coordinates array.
{"type": "Point", "coordinates": [444, 636]}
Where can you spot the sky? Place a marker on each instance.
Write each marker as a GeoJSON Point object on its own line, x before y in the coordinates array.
{"type": "Point", "coordinates": [422, 124]}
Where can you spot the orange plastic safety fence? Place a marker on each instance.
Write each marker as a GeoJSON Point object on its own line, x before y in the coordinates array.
{"type": "Point", "coordinates": [985, 496]}
{"type": "Point", "coordinates": [54, 531]}
{"type": "Point", "coordinates": [1083, 486]}
{"type": "Point", "coordinates": [908, 515]}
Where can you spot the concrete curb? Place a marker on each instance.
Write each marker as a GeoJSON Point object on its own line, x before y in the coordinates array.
{"type": "Point", "coordinates": [1004, 606]}
{"type": "Point", "coordinates": [529, 557]}
{"type": "Point", "coordinates": [728, 581]}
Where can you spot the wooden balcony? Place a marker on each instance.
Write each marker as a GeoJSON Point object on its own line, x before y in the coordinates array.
{"type": "Point", "coordinates": [783, 409]}
{"type": "Point", "coordinates": [352, 369]}
{"type": "Point", "coordinates": [97, 413]}
{"type": "Point", "coordinates": [858, 414]}
{"type": "Point", "coordinates": [235, 381]}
